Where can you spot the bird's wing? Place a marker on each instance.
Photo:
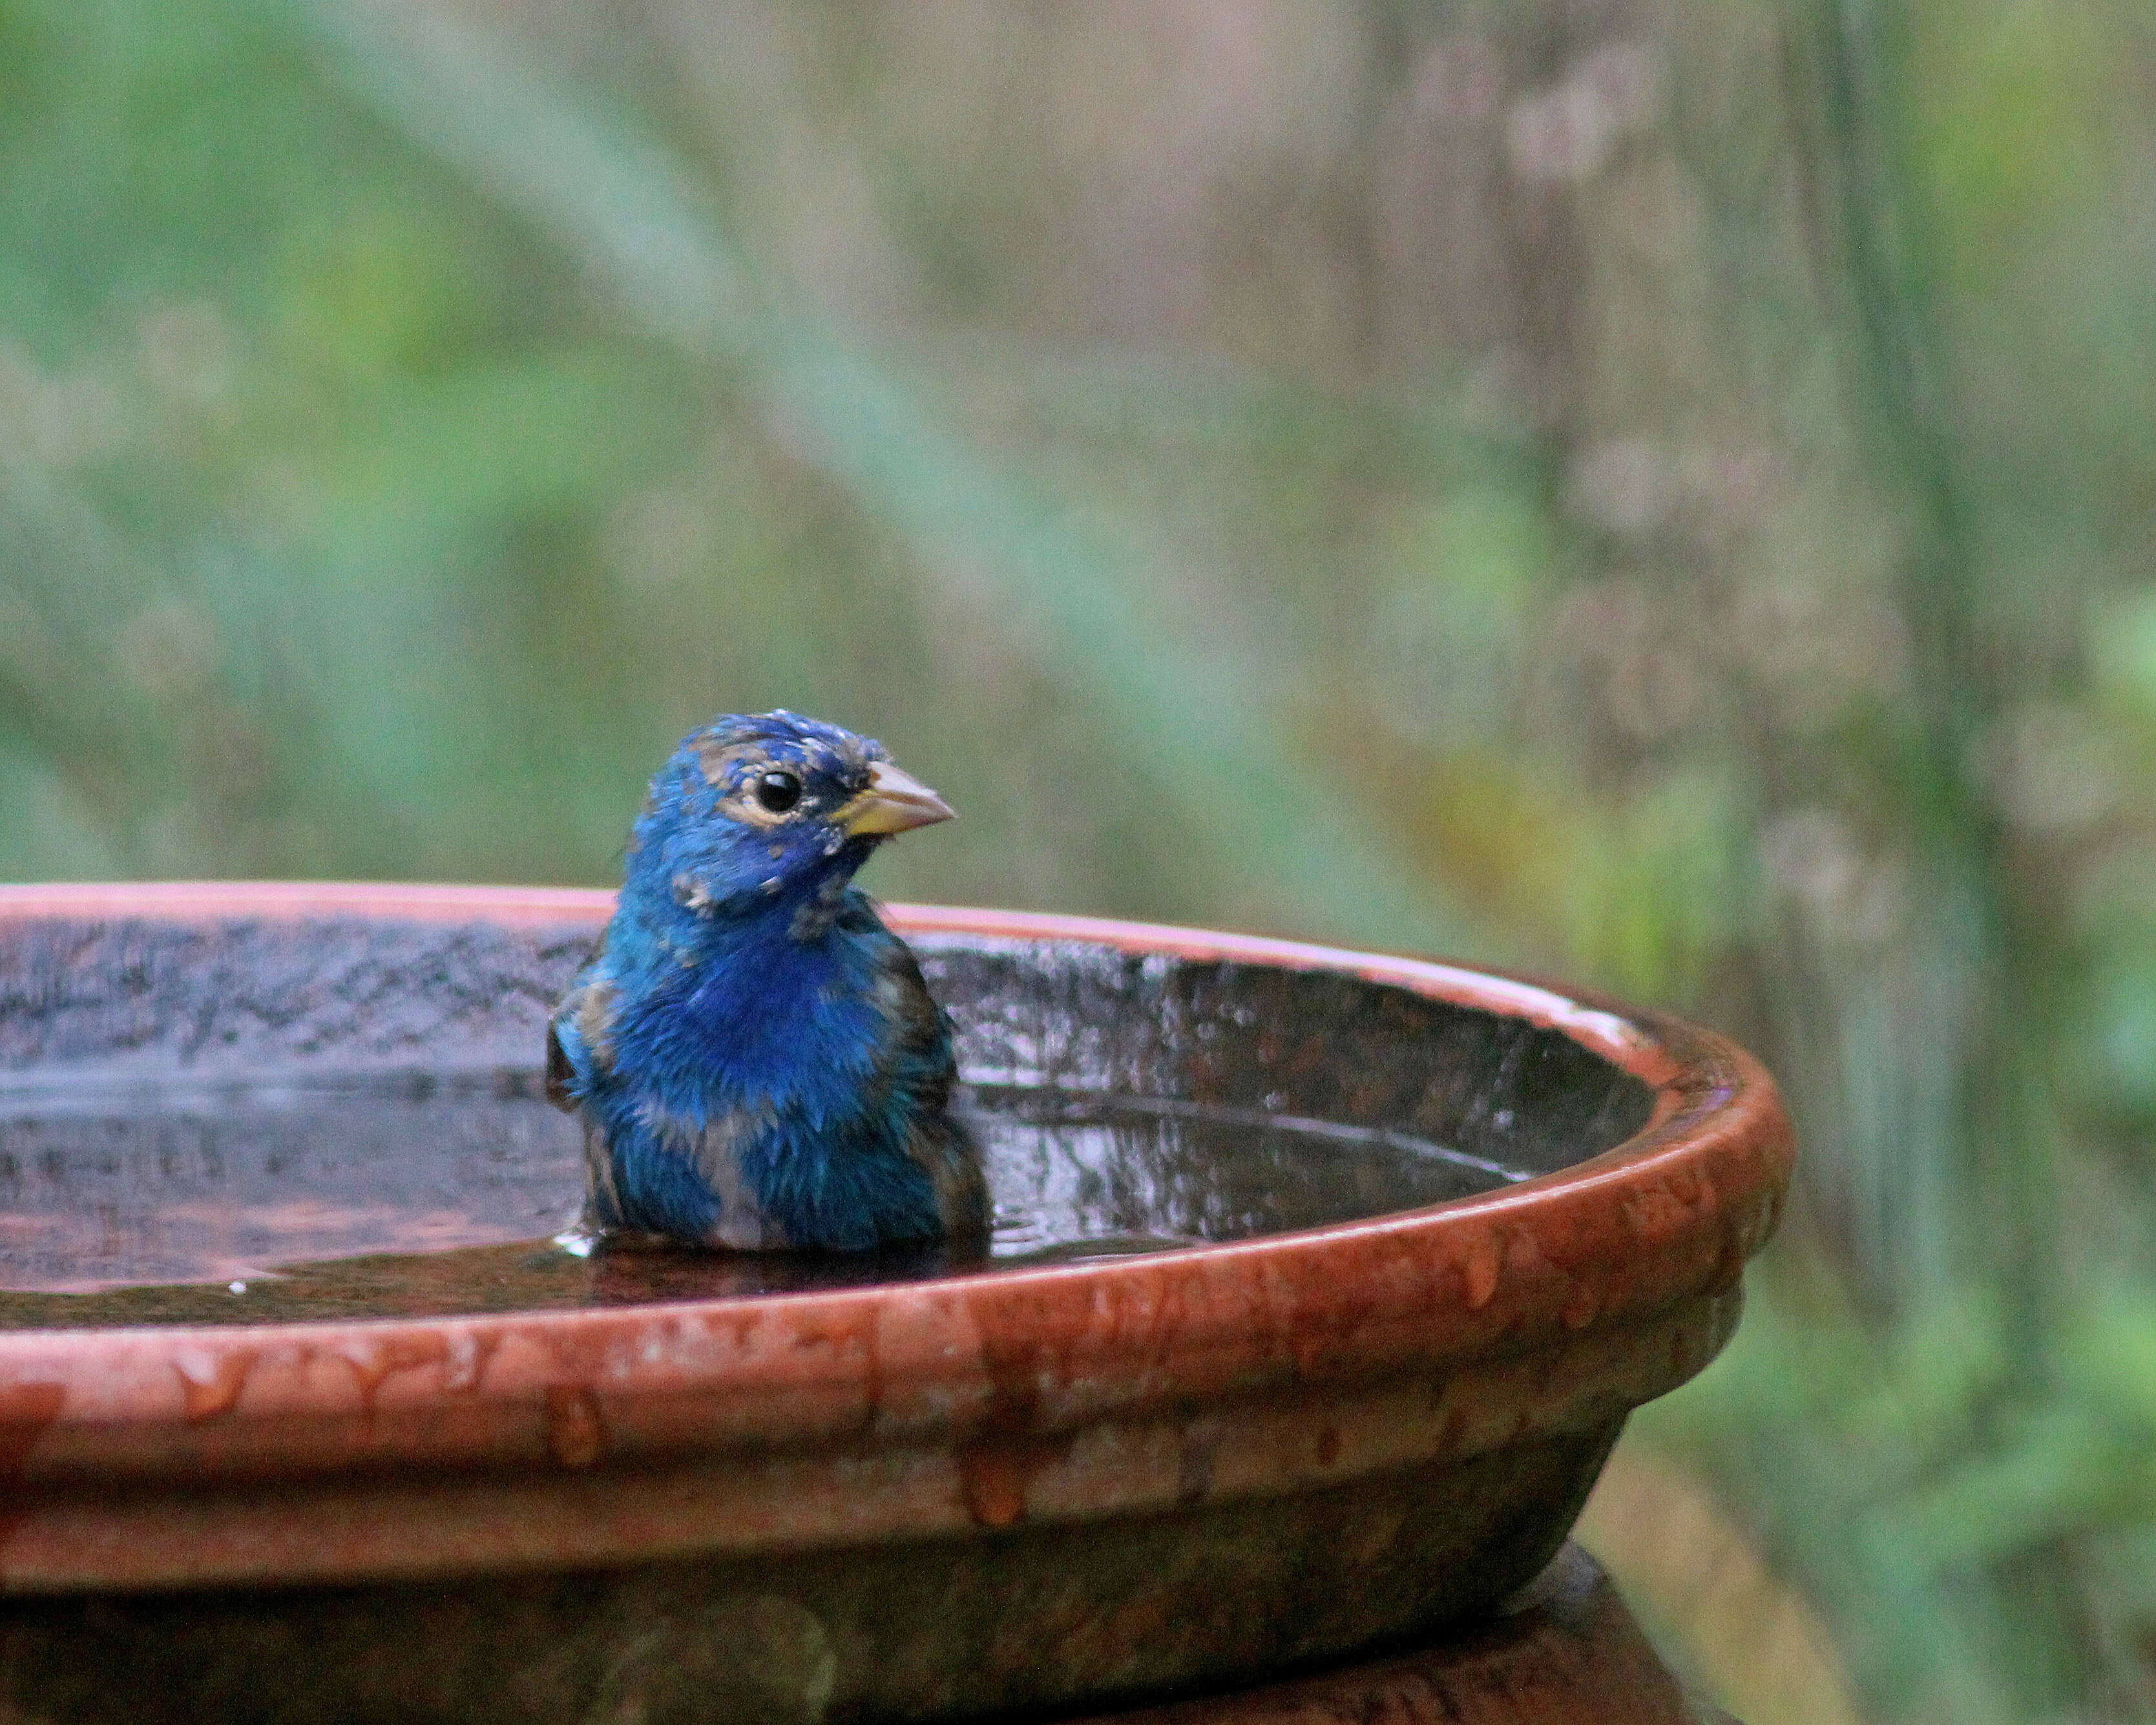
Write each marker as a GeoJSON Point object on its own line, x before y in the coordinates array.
{"type": "Point", "coordinates": [916, 1055]}
{"type": "Point", "coordinates": [580, 1041]}
{"type": "Point", "coordinates": [561, 1072]}
{"type": "Point", "coordinates": [916, 1060]}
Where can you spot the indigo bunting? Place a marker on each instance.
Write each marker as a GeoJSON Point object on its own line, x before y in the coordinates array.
{"type": "Point", "coordinates": [756, 1059]}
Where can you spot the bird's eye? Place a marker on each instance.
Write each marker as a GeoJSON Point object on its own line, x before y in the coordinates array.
{"type": "Point", "coordinates": [778, 791]}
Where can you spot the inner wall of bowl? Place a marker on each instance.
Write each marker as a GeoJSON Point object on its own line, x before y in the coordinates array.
{"type": "Point", "coordinates": [194, 1103]}
{"type": "Point", "coordinates": [1296, 1045]}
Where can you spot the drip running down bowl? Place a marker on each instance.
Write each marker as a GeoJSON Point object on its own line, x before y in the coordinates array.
{"type": "Point", "coordinates": [1322, 1284]}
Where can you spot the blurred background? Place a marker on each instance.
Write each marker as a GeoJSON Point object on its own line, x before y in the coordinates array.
{"type": "Point", "coordinates": [1659, 492]}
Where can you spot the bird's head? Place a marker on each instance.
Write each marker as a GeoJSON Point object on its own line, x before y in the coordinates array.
{"type": "Point", "coordinates": [761, 810]}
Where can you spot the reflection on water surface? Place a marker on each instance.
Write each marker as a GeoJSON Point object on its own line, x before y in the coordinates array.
{"type": "Point", "coordinates": [384, 1197]}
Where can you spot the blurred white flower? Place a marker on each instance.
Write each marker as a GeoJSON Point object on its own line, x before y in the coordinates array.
{"type": "Point", "coordinates": [53, 420]}
{"type": "Point", "coordinates": [1633, 485]}
{"type": "Point", "coordinates": [1567, 133]}
{"type": "Point", "coordinates": [1626, 485]}
{"type": "Point", "coordinates": [2051, 771]}
{"type": "Point", "coordinates": [1810, 854]}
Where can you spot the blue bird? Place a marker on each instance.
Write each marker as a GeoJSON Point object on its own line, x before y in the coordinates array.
{"type": "Point", "coordinates": [755, 1057]}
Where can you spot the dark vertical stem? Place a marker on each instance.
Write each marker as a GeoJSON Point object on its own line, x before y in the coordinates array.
{"type": "Point", "coordinates": [1863, 54]}
{"type": "Point", "coordinates": [2006, 1235]}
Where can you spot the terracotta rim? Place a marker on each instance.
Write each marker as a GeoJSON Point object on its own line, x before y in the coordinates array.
{"type": "Point", "coordinates": [1669, 1216]}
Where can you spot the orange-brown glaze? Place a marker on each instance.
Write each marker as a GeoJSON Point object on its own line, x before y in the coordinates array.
{"type": "Point", "coordinates": [916, 1410]}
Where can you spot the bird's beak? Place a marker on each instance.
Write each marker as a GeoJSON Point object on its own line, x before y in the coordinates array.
{"type": "Point", "coordinates": [894, 802]}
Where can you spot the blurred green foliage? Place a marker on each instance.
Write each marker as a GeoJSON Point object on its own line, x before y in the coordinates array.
{"type": "Point", "coordinates": [1658, 494]}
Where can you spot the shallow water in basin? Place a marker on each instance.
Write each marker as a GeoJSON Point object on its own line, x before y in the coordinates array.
{"type": "Point", "coordinates": [257, 1202]}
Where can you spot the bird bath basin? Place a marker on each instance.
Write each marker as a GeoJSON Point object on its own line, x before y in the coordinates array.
{"type": "Point", "coordinates": [1322, 1284]}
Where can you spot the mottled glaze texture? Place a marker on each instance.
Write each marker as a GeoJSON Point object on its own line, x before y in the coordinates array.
{"type": "Point", "coordinates": [965, 1492]}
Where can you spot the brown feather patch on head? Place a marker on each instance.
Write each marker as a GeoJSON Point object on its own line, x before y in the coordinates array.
{"type": "Point", "coordinates": [730, 755]}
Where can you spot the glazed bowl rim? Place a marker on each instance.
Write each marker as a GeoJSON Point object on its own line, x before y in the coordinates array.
{"type": "Point", "coordinates": [1670, 1213]}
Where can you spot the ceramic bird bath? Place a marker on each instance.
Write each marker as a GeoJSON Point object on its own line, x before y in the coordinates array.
{"type": "Point", "coordinates": [1323, 1283]}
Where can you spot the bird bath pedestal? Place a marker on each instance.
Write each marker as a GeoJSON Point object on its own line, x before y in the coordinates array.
{"type": "Point", "coordinates": [1322, 1285]}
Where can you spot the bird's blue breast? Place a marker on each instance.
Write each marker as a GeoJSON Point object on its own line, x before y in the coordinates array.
{"type": "Point", "coordinates": [753, 1022]}
{"type": "Point", "coordinates": [783, 1054]}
